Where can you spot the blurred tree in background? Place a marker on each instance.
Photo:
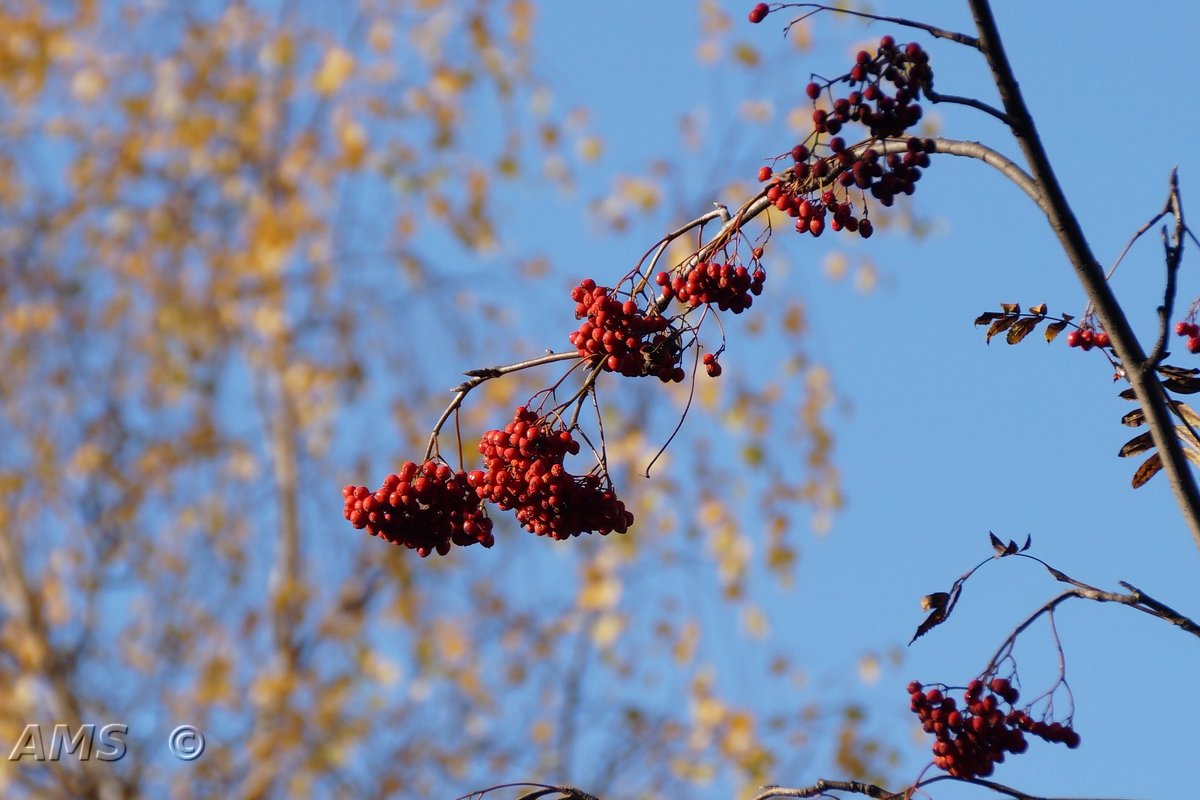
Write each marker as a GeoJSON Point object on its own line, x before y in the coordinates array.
{"type": "Point", "coordinates": [237, 242]}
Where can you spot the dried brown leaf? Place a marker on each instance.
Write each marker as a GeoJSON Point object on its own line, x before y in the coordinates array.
{"type": "Point", "coordinates": [1185, 412]}
{"type": "Point", "coordinates": [1010, 308]}
{"type": "Point", "coordinates": [1134, 418]}
{"type": "Point", "coordinates": [1022, 328]}
{"type": "Point", "coordinates": [1054, 329]}
{"type": "Point", "coordinates": [1147, 470]}
{"type": "Point", "coordinates": [1128, 394]}
{"type": "Point", "coordinates": [1039, 309]}
{"type": "Point", "coordinates": [1182, 385]}
{"type": "Point", "coordinates": [988, 316]}
{"type": "Point", "coordinates": [1169, 371]}
{"type": "Point", "coordinates": [1000, 326]}
{"type": "Point", "coordinates": [1138, 444]}
{"type": "Point", "coordinates": [932, 621]}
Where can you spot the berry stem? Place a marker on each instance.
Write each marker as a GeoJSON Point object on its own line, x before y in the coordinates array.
{"type": "Point", "coordinates": [478, 376]}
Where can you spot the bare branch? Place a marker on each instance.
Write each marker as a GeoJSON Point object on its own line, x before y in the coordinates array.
{"type": "Point", "coordinates": [1138, 369]}
{"type": "Point", "coordinates": [936, 97]}
{"type": "Point", "coordinates": [479, 376]}
{"type": "Point", "coordinates": [822, 786]}
{"type": "Point", "coordinates": [987, 155]}
{"type": "Point", "coordinates": [932, 30]}
{"type": "Point", "coordinates": [1173, 255]}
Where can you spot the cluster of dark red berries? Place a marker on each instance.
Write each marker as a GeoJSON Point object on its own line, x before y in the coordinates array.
{"type": "Point", "coordinates": [729, 287]}
{"type": "Point", "coordinates": [886, 114]}
{"type": "Point", "coordinates": [628, 340]}
{"type": "Point", "coordinates": [1192, 331]}
{"type": "Point", "coordinates": [1087, 338]}
{"type": "Point", "coordinates": [809, 189]}
{"type": "Point", "coordinates": [759, 12]}
{"type": "Point", "coordinates": [810, 212]}
{"type": "Point", "coordinates": [426, 508]}
{"type": "Point", "coordinates": [969, 742]}
{"type": "Point", "coordinates": [524, 471]}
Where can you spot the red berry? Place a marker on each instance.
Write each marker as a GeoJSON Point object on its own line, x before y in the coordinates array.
{"type": "Point", "coordinates": [865, 229]}
{"type": "Point", "coordinates": [1073, 339]}
{"type": "Point", "coordinates": [1193, 344]}
{"type": "Point", "coordinates": [764, 173]}
{"type": "Point", "coordinates": [1102, 339]}
{"type": "Point", "coordinates": [758, 13]}
{"type": "Point", "coordinates": [813, 90]}
{"type": "Point", "coordinates": [1181, 328]}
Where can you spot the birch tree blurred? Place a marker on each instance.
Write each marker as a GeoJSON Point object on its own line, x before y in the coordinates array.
{"type": "Point", "coordinates": [218, 289]}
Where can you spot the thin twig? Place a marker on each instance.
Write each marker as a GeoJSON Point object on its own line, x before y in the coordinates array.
{"type": "Point", "coordinates": [478, 376]}
{"type": "Point", "coordinates": [823, 786]}
{"type": "Point", "coordinates": [1173, 255]}
{"type": "Point", "coordinates": [1169, 294]}
{"type": "Point", "coordinates": [932, 30]}
{"type": "Point", "coordinates": [937, 97]}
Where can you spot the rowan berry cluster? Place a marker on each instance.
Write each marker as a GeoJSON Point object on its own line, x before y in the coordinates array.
{"type": "Point", "coordinates": [893, 111]}
{"type": "Point", "coordinates": [727, 286]}
{"type": "Point", "coordinates": [426, 508]}
{"type": "Point", "coordinates": [969, 742]}
{"type": "Point", "coordinates": [524, 471]}
{"type": "Point", "coordinates": [1086, 338]}
{"type": "Point", "coordinates": [1192, 331]}
{"type": "Point", "coordinates": [629, 340]}
{"type": "Point", "coordinates": [818, 185]}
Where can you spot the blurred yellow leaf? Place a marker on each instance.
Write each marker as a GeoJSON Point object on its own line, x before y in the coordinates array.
{"type": "Point", "coordinates": [336, 67]}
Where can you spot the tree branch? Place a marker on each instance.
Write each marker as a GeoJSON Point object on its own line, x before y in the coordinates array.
{"type": "Point", "coordinates": [937, 97]}
{"type": "Point", "coordinates": [1139, 369]}
{"type": "Point", "coordinates": [823, 786]}
{"type": "Point", "coordinates": [932, 30]}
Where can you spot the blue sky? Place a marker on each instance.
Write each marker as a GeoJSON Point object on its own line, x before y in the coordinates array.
{"type": "Point", "coordinates": [948, 438]}
{"type": "Point", "coordinates": [939, 437]}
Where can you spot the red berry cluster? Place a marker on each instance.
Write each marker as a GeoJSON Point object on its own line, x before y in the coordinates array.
{"type": "Point", "coordinates": [809, 191]}
{"type": "Point", "coordinates": [887, 114]}
{"type": "Point", "coordinates": [969, 742]}
{"type": "Point", "coordinates": [759, 12]}
{"type": "Point", "coordinates": [525, 472]}
{"type": "Point", "coordinates": [1086, 338]}
{"type": "Point", "coordinates": [728, 287]}
{"type": "Point", "coordinates": [617, 331]}
{"type": "Point", "coordinates": [1192, 331]}
{"type": "Point", "coordinates": [711, 365]}
{"type": "Point", "coordinates": [426, 508]}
